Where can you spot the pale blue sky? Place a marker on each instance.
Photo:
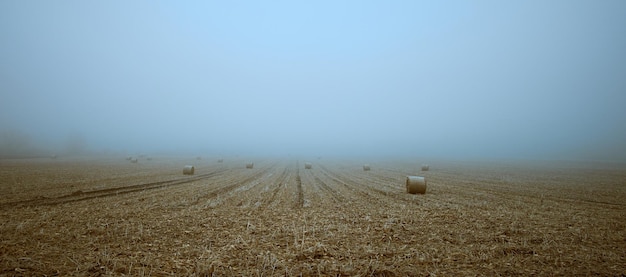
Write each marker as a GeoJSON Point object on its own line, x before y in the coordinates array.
{"type": "Point", "coordinates": [529, 79]}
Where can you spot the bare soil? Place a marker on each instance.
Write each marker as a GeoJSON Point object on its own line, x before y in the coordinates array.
{"type": "Point", "coordinates": [101, 217]}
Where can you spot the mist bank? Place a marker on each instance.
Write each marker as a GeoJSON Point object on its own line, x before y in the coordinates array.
{"type": "Point", "coordinates": [15, 143]}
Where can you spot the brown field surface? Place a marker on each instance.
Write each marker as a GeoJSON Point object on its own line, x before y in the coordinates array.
{"type": "Point", "coordinates": [91, 217]}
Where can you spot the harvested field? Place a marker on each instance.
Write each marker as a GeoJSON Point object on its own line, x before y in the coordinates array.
{"type": "Point", "coordinates": [109, 217]}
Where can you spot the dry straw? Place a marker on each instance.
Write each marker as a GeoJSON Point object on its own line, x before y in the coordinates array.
{"type": "Point", "coordinates": [366, 167]}
{"type": "Point", "coordinates": [189, 170]}
{"type": "Point", "coordinates": [415, 184]}
{"type": "Point", "coordinates": [308, 166]}
{"type": "Point", "coordinates": [425, 167]}
{"type": "Point", "coordinates": [249, 165]}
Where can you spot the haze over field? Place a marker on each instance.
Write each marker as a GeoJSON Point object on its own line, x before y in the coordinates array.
{"type": "Point", "coordinates": [514, 79]}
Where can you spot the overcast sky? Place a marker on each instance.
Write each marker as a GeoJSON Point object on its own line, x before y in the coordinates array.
{"type": "Point", "coordinates": [519, 79]}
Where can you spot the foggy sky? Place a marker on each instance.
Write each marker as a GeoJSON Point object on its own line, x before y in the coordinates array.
{"type": "Point", "coordinates": [518, 79]}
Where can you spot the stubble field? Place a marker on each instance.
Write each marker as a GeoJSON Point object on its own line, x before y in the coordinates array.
{"type": "Point", "coordinates": [92, 217]}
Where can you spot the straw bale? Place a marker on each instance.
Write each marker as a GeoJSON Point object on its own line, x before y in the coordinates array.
{"type": "Point", "coordinates": [415, 184]}
{"type": "Point", "coordinates": [189, 170]}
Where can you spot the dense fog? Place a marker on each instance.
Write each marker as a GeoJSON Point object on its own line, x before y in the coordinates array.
{"type": "Point", "coordinates": [452, 79]}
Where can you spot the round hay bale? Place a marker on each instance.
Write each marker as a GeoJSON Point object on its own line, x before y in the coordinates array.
{"type": "Point", "coordinates": [366, 167]}
{"type": "Point", "coordinates": [308, 166]}
{"type": "Point", "coordinates": [415, 184]}
{"type": "Point", "coordinates": [134, 160]}
{"type": "Point", "coordinates": [189, 170]}
{"type": "Point", "coordinates": [425, 167]}
{"type": "Point", "coordinates": [249, 165]}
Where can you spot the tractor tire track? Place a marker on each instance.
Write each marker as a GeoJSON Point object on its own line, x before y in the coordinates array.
{"type": "Point", "coordinates": [324, 187]}
{"type": "Point", "coordinates": [353, 188]}
{"type": "Point", "coordinates": [281, 183]}
{"type": "Point", "coordinates": [234, 185]}
{"type": "Point", "coordinates": [86, 195]}
{"type": "Point", "coordinates": [300, 197]}
{"type": "Point", "coordinates": [481, 185]}
{"type": "Point", "coordinates": [346, 181]}
{"type": "Point", "coordinates": [263, 198]}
